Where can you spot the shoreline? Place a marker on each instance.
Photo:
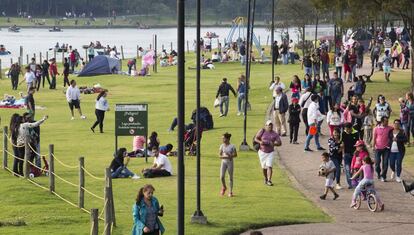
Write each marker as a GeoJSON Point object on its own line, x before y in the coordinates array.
{"type": "Point", "coordinates": [121, 26]}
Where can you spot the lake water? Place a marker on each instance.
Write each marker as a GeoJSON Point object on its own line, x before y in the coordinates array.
{"type": "Point", "coordinates": [36, 40]}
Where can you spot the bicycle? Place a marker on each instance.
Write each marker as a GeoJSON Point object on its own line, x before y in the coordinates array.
{"type": "Point", "coordinates": [368, 194]}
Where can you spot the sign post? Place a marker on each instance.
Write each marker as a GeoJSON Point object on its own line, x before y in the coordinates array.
{"type": "Point", "coordinates": [131, 120]}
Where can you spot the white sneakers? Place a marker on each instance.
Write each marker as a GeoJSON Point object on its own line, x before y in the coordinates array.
{"type": "Point", "coordinates": [135, 177]}
{"type": "Point", "coordinates": [338, 186]}
{"type": "Point", "coordinates": [392, 175]}
{"type": "Point", "coordinates": [72, 118]}
{"type": "Point", "coordinates": [398, 179]}
{"type": "Point", "coordinates": [83, 117]}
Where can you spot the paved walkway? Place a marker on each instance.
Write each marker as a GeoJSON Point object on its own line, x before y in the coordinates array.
{"type": "Point", "coordinates": [397, 218]}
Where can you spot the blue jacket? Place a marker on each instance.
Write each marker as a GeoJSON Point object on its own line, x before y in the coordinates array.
{"type": "Point", "coordinates": [139, 212]}
{"type": "Point", "coordinates": [283, 104]}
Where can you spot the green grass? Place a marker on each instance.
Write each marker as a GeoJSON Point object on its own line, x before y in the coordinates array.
{"type": "Point", "coordinates": [254, 204]}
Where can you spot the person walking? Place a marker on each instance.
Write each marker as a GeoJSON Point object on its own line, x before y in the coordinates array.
{"type": "Point", "coordinates": [268, 139]}
{"type": "Point", "coordinates": [45, 73]}
{"type": "Point", "coordinates": [314, 116]}
{"type": "Point", "coordinates": [30, 102]}
{"type": "Point", "coordinates": [91, 52]}
{"type": "Point", "coordinates": [375, 53]}
{"type": "Point", "coordinates": [223, 92]}
{"type": "Point", "coordinates": [386, 65]}
{"type": "Point", "coordinates": [275, 52]}
{"type": "Point", "coordinates": [276, 84]}
{"type": "Point", "coordinates": [29, 78]}
{"type": "Point", "coordinates": [397, 150]}
{"type": "Point", "coordinates": [294, 120]}
{"type": "Point", "coordinates": [335, 154]}
{"type": "Point", "coordinates": [292, 51]}
{"type": "Point", "coordinates": [101, 106]}
{"type": "Point", "coordinates": [146, 211]}
{"type": "Point", "coordinates": [381, 137]}
{"type": "Point", "coordinates": [325, 64]}
{"type": "Point", "coordinates": [329, 175]}
{"type": "Point", "coordinates": [241, 95]}
{"type": "Point", "coordinates": [349, 138]}
{"type": "Point", "coordinates": [227, 153]}
{"type": "Point", "coordinates": [279, 111]}
{"type": "Point", "coordinates": [14, 73]}
{"type": "Point", "coordinates": [242, 52]}
{"type": "Point", "coordinates": [304, 102]}
{"type": "Point", "coordinates": [66, 71]}
{"type": "Point", "coordinates": [73, 98]}
{"type": "Point", "coordinates": [53, 73]}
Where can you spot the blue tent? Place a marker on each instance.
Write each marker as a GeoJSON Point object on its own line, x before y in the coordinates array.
{"type": "Point", "coordinates": [101, 65]}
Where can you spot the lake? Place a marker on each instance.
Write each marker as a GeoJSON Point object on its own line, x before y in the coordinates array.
{"type": "Point", "coordinates": [35, 40]}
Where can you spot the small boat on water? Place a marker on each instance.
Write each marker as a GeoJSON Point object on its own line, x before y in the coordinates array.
{"type": "Point", "coordinates": [55, 29]}
{"type": "Point", "coordinates": [14, 29]}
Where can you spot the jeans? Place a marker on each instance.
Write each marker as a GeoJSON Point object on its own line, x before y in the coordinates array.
{"type": "Point", "coordinates": [353, 71]}
{"type": "Point", "coordinates": [360, 186]}
{"type": "Point", "coordinates": [53, 82]}
{"type": "Point", "coordinates": [292, 57]}
{"type": "Point", "coordinates": [309, 138]}
{"type": "Point", "coordinates": [336, 98]}
{"type": "Point", "coordinates": [151, 173]}
{"type": "Point", "coordinates": [241, 102]}
{"type": "Point", "coordinates": [294, 129]}
{"type": "Point", "coordinates": [308, 70]}
{"type": "Point", "coordinates": [381, 162]}
{"type": "Point", "coordinates": [285, 58]}
{"type": "Point", "coordinates": [305, 119]}
{"type": "Point", "coordinates": [122, 172]}
{"type": "Point", "coordinates": [100, 116]}
{"type": "Point", "coordinates": [339, 72]}
{"type": "Point", "coordinates": [374, 61]}
{"type": "Point", "coordinates": [44, 77]}
{"type": "Point", "coordinates": [396, 162]}
{"type": "Point", "coordinates": [347, 163]}
{"type": "Point", "coordinates": [325, 70]}
{"type": "Point", "coordinates": [243, 59]}
{"type": "Point", "coordinates": [224, 102]}
{"type": "Point", "coordinates": [317, 69]}
{"type": "Point", "coordinates": [15, 82]}
{"type": "Point", "coordinates": [337, 162]}
{"type": "Point", "coordinates": [18, 163]}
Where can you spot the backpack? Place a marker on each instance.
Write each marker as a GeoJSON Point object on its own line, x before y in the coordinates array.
{"type": "Point", "coordinates": [360, 87]}
{"type": "Point", "coordinates": [256, 146]}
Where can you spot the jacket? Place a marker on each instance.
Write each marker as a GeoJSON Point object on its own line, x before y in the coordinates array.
{"type": "Point", "coordinates": [314, 115]}
{"type": "Point", "coordinates": [294, 114]}
{"type": "Point", "coordinates": [139, 213]}
{"type": "Point", "coordinates": [283, 104]}
{"type": "Point", "coordinates": [224, 89]}
{"type": "Point", "coordinates": [401, 140]}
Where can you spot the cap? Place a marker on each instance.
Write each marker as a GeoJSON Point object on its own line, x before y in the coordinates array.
{"type": "Point", "coordinates": [268, 122]}
{"type": "Point", "coordinates": [359, 143]}
{"type": "Point", "coordinates": [295, 100]}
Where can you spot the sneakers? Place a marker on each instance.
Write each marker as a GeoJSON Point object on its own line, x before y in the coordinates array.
{"type": "Point", "coordinates": [353, 204]}
{"type": "Point", "coordinates": [230, 194]}
{"type": "Point", "coordinates": [321, 149]}
{"type": "Point", "coordinates": [308, 150]}
{"type": "Point", "coordinates": [93, 130]}
{"type": "Point", "coordinates": [238, 113]}
{"type": "Point", "coordinates": [221, 115]}
{"type": "Point", "coordinates": [295, 142]}
{"type": "Point", "coordinates": [338, 186]}
{"type": "Point", "coordinates": [383, 179]}
{"type": "Point", "coordinates": [72, 118]}
{"type": "Point", "coordinates": [398, 179]}
{"type": "Point", "coordinates": [269, 183]}
{"type": "Point", "coordinates": [223, 191]}
{"type": "Point", "coordinates": [135, 177]}
{"type": "Point", "coordinates": [336, 196]}
{"type": "Point", "coordinates": [323, 197]}
{"type": "Point", "coordinates": [83, 117]}
{"type": "Point", "coordinates": [392, 174]}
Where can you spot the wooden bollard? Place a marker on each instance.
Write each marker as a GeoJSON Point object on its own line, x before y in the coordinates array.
{"type": "Point", "coordinates": [188, 47]}
{"type": "Point", "coordinates": [51, 168]}
{"type": "Point", "coordinates": [171, 46]}
{"type": "Point", "coordinates": [34, 57]}
{"type": "Point", "coordinates": [27, 59]}
{"type": "Point", "coordinates": [86, 55]}
{"type": "Point", "coordinates": [54, 53]}
{"type": "Point", "coordinates": [108, 184]}
{"type": "Point", "coordinates": [1, 74]}
{"type": "Point", "coordinates": [5, 142]}
{"type": "Point", "coordinates": [122, 52]}
{"type": "Point", "coordinates": [63, 57]}
{"type": "Point", "coordinates": [47, 55]}
{"type": "Point", "coordinates": [267, 40]}
{"type": "Point", "coordinates": [94, 221]}
{"type": "Point", "coordinates": [40, 58]}
{"type": "Point", "coordinates": [20, 60]}
{"type": "Point", "coordinates": [150, 46]}
{"type": "Point", "coordinates": [26, 166]}
{"type": "Point", "coordinates": [108, 214]}
{"type": "Point", "coordinates": [21, 51]}
{"type": "Point", "coordinates": [81, 183]}
{"type": "Point", "coordinates": [162, 47]}
{"type": "Point", "coordinates": [11, 62]}
{"type": "Point", "coordinates": [137, 51]}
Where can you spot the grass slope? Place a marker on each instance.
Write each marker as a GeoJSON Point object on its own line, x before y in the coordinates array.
{"type": "Point", "coordinates": [254, 204]}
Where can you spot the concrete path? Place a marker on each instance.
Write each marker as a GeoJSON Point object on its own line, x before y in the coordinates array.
{"type": "Point", "coordinates": [397, 218]}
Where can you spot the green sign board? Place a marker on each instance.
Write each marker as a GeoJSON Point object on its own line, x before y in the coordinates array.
{"type": "Point", "coordinates": [131, 119]}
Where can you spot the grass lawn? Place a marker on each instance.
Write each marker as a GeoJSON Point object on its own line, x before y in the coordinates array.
{"type": "Point", "coordinates": [254, 204]}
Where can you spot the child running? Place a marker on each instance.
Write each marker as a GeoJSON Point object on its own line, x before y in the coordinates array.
{"type": "Point", "coordinates": [368, 170]}
{"type": "Point", "coordinates": [227, 152]}
{"type": "Point", "coordinates": [329, 167]}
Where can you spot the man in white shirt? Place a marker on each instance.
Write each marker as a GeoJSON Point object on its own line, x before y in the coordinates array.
{"type": "Point", "coordinates": [314, 118]}
{"type": "Point", "coordinates": [304, 102]}
{"type": "Point", "coordinates": [73, 98]}
{"type": "Point", "coordinates": [292, 51]}
{"type": "Point", "coordinates": [161, 167]}
{"type": "Point", "coordinates": [29, 78]}
{"type": "Point", "coordinates": [275, 84]}
{"type": "Point", "coordinates": [112, 54]}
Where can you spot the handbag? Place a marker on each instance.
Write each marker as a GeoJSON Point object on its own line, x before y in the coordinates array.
{"type": "Point", "coordinates": [217, 102]}
{"type": "Point", "coordinates": [313, 130]}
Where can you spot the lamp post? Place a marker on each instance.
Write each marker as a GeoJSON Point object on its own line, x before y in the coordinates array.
{"type": "Point", "coordinates": [198, 216]}
{"type": "Point", "coordinates": [180, 114]}
{"type": "Point", "coordinates": [273, 39]}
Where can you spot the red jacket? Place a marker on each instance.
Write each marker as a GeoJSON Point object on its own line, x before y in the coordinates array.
{"type": "Point", "coordinates": [53, 69]}
{"type": "Point", "coordinates": [357, 160]}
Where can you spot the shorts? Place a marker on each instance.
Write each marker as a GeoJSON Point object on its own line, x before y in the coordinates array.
{"type": "Point", "coordinates": [74, 103]}
{"type": "Point", "coordinates": [387, 69]}
{"type": "Point", "coordinates": [266, 159]}
{"type": "Point", "coordinates": [347, 69]}
{"type": "Point", "coordinates": [329, 182]}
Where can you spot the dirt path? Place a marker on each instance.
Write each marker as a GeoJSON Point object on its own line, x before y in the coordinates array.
{"type": "Point", "coordinates": [397, 218]}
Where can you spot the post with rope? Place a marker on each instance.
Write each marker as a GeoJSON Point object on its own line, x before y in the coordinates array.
{"type": "Point", "coordinates": [4, 145]}
{"type": "Point", "coordinates": [108, 214]}
{"type": "Point", "coordinates": [1, 74]}
{"type": "Point", "coordinates": [108, 183]}
{"type": "Point", "coordinates": [122, 52]}
{"type": "Point", "coordinates": [26, 158]}
{"type": "Point", "coordinates": [81, 183]}
{"type": "Point", "coordinates": [51, 168]}
{"type": "Point", "coordinates": [94, 221]}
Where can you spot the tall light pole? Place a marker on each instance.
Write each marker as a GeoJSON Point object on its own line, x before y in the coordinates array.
{"type": "Point", "coordinates": [198, 216]}
{"type": "Point", "coordinates": [273, 39]}
{"type": "Point", "coordinates": [180, 114]}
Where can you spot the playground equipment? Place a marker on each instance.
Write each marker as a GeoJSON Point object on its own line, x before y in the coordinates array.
{"type": "Point", "coordinates": [238, 29]}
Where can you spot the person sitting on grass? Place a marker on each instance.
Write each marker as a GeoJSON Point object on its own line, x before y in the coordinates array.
{"type": "Point", "coordinates": [368, 170]}
{"type": "Point", "coordinates": [408, 188]}
{"type": "Point", "coordinates": [119, 166]}
{"type": "Point", "coordinates": [329, 173]}
{"type": "Point", "coordinates": [161, 167]}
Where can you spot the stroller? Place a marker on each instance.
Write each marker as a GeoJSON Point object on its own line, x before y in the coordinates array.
{"type": "Point", "coordinates": [36, 172]}
{"type": "Point", "coordinates": [190, 140]}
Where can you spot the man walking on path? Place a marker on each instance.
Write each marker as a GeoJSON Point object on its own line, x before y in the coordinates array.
{"type": "Point", "coordinates": [314, 117]}
{"type": "Point", "coordinates": [336, 89]}
{"type": "Point", "coordinates": [73, 98]}
{"type": "Point", "coordinates": [223, 92]}
{"type": "Point", "coordinates": [268, 139]}
{"type": "Point", "coordinates": [279, 111]}
{"type": "Point", "coordinates": [349, 139]}
{"type": "Point", "coordinates": [382, 135]}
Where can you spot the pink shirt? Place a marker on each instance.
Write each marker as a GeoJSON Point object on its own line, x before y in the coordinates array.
{"type": "Point", "coordinates": [268, 138]}
{"type": "Point", "coordinates": [138, 142]}
{"type": "Point", "coordinates": [368, 171]}
{"type": "Point", "coordinates": [381, 137]}
{"type": "Point", "coordinates": [357, 160]}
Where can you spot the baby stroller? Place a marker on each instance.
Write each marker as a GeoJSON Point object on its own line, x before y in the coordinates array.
{"type": "Point", "coordinates": [36, 172]}
{"type": "Point", "coordinates": [190, 141]}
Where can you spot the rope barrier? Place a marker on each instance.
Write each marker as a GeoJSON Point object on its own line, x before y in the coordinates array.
{"type": "Point", "coordinates": [11, 154]}
{"type": "Point", "coordinates": [8, 169]}
{"type": "Point", "coordinates": [38, 167]}
{"type": "Point", "coordinates": [63, 164]}
{"type": "Point", "coordinates": [91, 175]}
{"type": "Point", "coordinates": [68, 182]}
{"type": "Point", "coordinates": [11, 142]}
{"type": "Point", "coordinates": [92, 194]}
{"type": "Point", "coordinates": [103, 209]}
{"type": "Point", "coordinates": [34, 151]}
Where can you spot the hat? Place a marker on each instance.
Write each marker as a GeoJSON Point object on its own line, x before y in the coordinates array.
{"type": "Point", "coordinates": [268, 122]}
{"type": "Point", "coordinates": [279, 88]}
{"type": "Point", "coordinates": [359, 143]}
{"type": "Point", "coordinates": [295, 100]}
